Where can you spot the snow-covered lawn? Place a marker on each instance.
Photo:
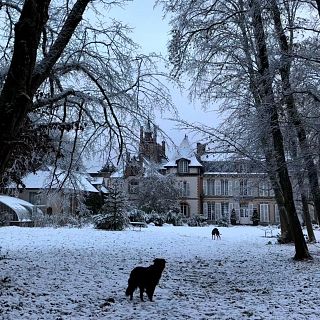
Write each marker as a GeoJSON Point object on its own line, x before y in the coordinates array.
{"type": "Point", "coordinates": [71, 273]}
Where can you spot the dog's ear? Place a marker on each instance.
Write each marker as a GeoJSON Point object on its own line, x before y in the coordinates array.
{"type": "Point", "coordinates": [159, 261]}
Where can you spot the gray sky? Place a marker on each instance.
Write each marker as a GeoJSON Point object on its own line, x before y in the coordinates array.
{"type": "Point", "coordinates": [151, 32]}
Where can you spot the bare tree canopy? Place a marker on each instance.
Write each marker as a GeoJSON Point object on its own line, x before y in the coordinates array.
{"type": "Point", "coordinates": [66, 67]}
{"type": "Point", "coordinates": [259, 60]}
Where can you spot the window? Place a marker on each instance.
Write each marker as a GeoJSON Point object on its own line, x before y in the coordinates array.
{"type": "Point", "coordinates": [33, 197]}
{"type": "Point", "coordinates": [218, 210]}
{"type": "Point", "coordinates": [224, 210]}
{"type": "Point", "coordinates": [264, 212]}
{"type": "Point", "coordinates": [276, 213]}
{"type": "Point", "coordinates": [242, 167]}
{"type": "Point", "coordinates": [185, 210]}
{"type": "Point", "coordinates": [244, 210]}
{"type": "Point", "coordinates": [243, 187]}
{"type": "Point", "coordinates": [264, 189]}
{"type": "Point", "coordinates": [133, 187]}
{"type": "Point", "coordinates": [217, 191]}
{"type": "Point", "coordinates": [211, 211]}
{"type": "Point", "coordinates": [183, 166]}
{"type": "Point", "coordinates": [210, 187]}
{"type": "Point", "coordinates": [184, 189]}
{"type": "Point", "coordinates": [224, 187]}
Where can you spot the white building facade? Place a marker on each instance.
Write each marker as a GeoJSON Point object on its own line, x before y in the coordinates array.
{"type": "Point", "coordinates": [213, 189]}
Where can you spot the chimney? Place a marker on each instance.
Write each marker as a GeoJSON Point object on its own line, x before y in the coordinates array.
{"type": "Point", "coordinates": [201, 149]}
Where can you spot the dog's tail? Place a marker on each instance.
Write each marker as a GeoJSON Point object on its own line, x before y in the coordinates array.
{"type": "Point", "coordinates": [130, 288]}
{"type": "Point", "coordinates": [128, 291]}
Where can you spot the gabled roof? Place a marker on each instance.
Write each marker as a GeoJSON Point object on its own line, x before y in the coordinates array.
{"type": "Point", "coordinates": [193, 162]}
{"type": "Point", "coordinates": [43, 179]}
{"type": "Point", "coordinates": [184, 151]}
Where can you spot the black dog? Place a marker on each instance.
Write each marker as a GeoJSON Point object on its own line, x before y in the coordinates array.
{"type": "Point", "coordinates": [145, 278]}
{"type": "Point", "coordinates": [216, 233]}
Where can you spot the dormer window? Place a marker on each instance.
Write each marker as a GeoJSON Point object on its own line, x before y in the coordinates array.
{"type": "Point", "coordinates": [183, 166]}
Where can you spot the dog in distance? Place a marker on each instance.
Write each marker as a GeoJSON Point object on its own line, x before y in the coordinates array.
{"type": "Point", "coordinates": [145, 278]}
{"type": "Point", "coordinates": [216, 233]}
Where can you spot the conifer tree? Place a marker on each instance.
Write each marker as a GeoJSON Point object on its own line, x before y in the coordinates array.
{"type": "Point", "coordinates": [113, 214]}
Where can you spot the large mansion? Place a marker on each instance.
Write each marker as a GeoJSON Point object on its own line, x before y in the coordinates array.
{"type": "Point", "coordinates": [210, 188]}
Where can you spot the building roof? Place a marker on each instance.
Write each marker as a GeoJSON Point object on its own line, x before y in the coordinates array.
{"type": "Point", "coordinates": [96, 180]}
{"type": "Point", "coordinates": [23, 209]}
{"type": "Point", "coordinates": [184, 151]}
{"type": "Point", "coordinates": [43, 179]}
{"type": "Point", "coordinates": [233, 166]}
{"type": "Point", "coordinates": [193, 162]}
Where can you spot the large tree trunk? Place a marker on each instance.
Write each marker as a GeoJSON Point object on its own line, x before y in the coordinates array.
{"type": "Point", "coordinates": [270, 109]}
{"type": "Point", "coordinates": [286, 235]}
{"type": "Point", "coordinates": [293, 113]}
{"type": "Point", "coordinates": [16, 97]}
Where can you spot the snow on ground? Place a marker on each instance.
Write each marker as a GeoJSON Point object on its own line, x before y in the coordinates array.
{"type": "Point", "coordinates": [70, 273]}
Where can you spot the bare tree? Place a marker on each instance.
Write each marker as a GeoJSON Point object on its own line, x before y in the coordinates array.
{"type": "Point", "coordinates": [286, 56]}
{"type": "Point", "coordinates": [67, 68]}
{"type": "Point", "coordinates": [158, 193]}
{"type": "Point", "coordinates": [223, 47]}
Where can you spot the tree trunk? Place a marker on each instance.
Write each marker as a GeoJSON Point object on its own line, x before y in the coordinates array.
{"type": "Point", "coordinates": [267, 95]}
{"type": "Point", "coordinates": [16, 97]}
{"type": "Point", "coordinates": [307, 218]}
{"type": "Point", "coordinates": [286, 235]}
{"type": "Point", "coordinates": [293, 113]}
{"type": "Point", "coordinates": [305, 209]}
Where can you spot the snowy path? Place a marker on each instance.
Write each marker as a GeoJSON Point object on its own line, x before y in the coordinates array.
{"type": "Point", "coordinates": [71, 274]}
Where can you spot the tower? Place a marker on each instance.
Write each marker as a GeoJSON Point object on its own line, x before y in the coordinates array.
{"type": "Point", "coordinates": [148, 147]}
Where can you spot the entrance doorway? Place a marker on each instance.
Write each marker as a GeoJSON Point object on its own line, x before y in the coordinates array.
{"type": "Point", "coordinates": [244, 214]}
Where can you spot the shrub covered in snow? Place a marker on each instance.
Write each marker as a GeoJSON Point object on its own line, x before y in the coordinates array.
{"type": "Point", "coordinates": [196, 221]}
{"type": "Point", "coordinates": [157, 218]}
{"type": "Point", "coordinates": [223, 222]}
{"type": "Point", "coordinates": [110, 221]}
{"type": "Point", "coordinates": [57, 220]}
{"type": "Point", "coordinates": [174, 218]}
{"type": "Point", "coordinates": [137, 215]}
{"type": "Point", "coordinates": [255, 217]}
{"type": "Point", "coordinates": [5, 217]}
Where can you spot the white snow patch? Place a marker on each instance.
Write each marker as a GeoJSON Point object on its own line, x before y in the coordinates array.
{"type": "Point", "coordinates": [71, 273]}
